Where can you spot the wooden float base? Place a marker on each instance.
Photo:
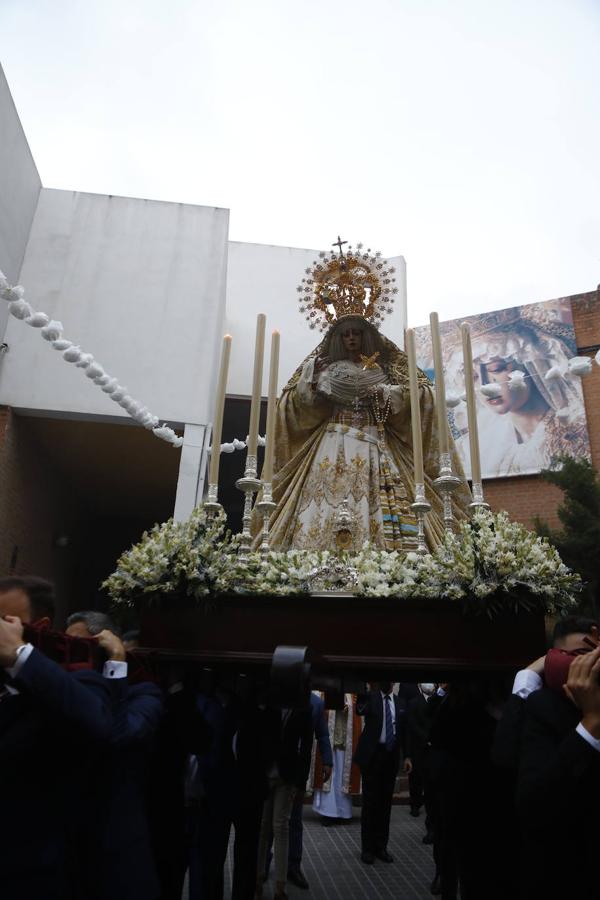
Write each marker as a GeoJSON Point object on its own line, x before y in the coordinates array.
{"type": "Point", "coordinates": [347, 635]}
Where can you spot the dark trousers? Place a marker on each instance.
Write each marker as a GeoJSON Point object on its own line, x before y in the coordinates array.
{"type": "Point", "coordinates": [415, 788]}
{"type": "Point", "coordinates": [419, 790]}
{"type": "Point", "coordinates": [209, 829]}
{"type": "Point", "coordinates": [378, 780]}
{"type": "Point", "coordinates": [295, 844]}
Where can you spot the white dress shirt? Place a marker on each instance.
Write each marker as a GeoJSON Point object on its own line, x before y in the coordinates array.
{"type": "Point", "coordinates": [113, 668]}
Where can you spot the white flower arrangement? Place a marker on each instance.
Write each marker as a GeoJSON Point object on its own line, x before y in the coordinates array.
{"type": "Point", "coordinates": [500, 562]}
{"type": "Point", "coordinates": [490, 563]}
{"type": "Point", "coordinates": [183, 558]}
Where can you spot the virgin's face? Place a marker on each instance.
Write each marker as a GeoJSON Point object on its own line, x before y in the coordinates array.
{"type": "Point", "coordinates": [498, 372]}
{"type": "Point", "coordinates": [352, 339]}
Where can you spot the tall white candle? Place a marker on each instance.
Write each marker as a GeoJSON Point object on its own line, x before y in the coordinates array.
{"type": "Point", "coordinates": [259, 352]}
{"type": "Point", "coordinates": [267, 475]}
{"type": "Point", "coordinates": [440, 387]}
{"type": "Point", "coordinates": [213, 476]}
{"type": "Point", "coordinates": [471, 407]}
{"type": "Point", "coordinates": [415, 409]}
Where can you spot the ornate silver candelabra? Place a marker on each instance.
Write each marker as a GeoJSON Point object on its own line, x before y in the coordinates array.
{"type": "Point", "coordinates": [420, 507]}
{"type": "Point", "coordinates": [266, 507]}
{"type": "Point", "coordinates": [478, 502]}
{"type": "Point", "coordinates": [249, 484]}
{"type": "Point", "coordinates": [445, 484]}
{"type": "Point", "coordinates": [211, 504]}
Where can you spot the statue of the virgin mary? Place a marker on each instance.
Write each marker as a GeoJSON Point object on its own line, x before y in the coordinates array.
{"type": "Point", "coordinates": [343, 468]}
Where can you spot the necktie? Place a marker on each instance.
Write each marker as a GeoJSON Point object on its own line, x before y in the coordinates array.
{"type": "Point", "coordinates": [389, 725]}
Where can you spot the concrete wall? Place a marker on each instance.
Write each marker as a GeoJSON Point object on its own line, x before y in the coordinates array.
{"type": "Point", "coordinates": [263, 278]}
{"type": "Point", "coordinates": [140, 284]}
{"type": "Point", "coordinates": [19, 189]}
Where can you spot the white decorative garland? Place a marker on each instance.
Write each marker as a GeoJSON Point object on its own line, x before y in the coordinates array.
{"type": "Point", "coordinates": [236, 444]}
{"type": "Point", "coordinates": [52, 331]}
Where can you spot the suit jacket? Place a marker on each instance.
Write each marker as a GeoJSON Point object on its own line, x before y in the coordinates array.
{"type": "Point", "coordinates": [114, 859]}
{"type": "Point", "coordinates": [48, 733]}
{"type": "Point", "coordinates": [289, 742]}
{"type": "Point", "coordinates": [558, 801]}
{"type": "Point", "coordinates": [419, 718]}
{"type": "Point", "coordinates": [507, 741]}
{"type": "Point", "coordinates": [473, 804]}
{"type": "Point", "coordinates": [371, 707]}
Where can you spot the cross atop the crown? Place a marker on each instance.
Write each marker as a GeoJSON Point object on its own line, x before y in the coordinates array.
{"type": "Point", "coordinates": [339, 244]}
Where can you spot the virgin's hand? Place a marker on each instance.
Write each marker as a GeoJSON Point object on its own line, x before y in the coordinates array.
{"type": "Point", "coordinates": [321, 362]}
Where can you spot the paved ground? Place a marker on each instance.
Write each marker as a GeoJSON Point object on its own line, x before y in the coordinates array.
{"type": "Point", "coordinates": [334, 870]}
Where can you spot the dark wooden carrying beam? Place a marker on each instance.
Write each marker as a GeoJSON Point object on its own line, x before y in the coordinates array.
{"type": "Point", "coordinates": [348, 635]}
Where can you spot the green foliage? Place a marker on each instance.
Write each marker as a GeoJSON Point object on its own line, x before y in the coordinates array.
{"type": "Point", "coordinates": [578, 542]}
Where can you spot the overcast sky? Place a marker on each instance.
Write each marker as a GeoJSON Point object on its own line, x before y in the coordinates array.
{"type": "Point", "coordinates": [463, 134]}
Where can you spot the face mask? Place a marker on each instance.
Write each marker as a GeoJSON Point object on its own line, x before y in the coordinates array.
{"type": "Point", "coordinates": [556, 668]}
{"type": "Point", "coordinates": [427, 688]}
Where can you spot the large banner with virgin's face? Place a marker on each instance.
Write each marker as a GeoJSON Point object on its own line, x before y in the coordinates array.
{"type": "Point", "coordinates": [536, 410]}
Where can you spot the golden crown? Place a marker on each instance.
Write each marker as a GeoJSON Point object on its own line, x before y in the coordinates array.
{"type": "Point", "coordinates": [355, 283]}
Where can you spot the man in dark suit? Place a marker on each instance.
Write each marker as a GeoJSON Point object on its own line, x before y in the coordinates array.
{"type": "Point", "coordinates": [569, 634]}
{"type": "Point", "coordinates": [113, 850]}
{"type": "Point", "coordinates": [50, 721]}
{"type": "Point", "coordinates": [378, 756]}
{"type": "Point", "coordinates": [289, 734]}
{"type": "Point", "coordinates": [419, 717]}
{"type": "Point", "coordinates": [321, 733]}
{"type": "Point", "coordinates": [517, 739]}
{"type": "Point", "coordinates": [558, 784]}
{"type": "Point", "coordinates": [228, 785]}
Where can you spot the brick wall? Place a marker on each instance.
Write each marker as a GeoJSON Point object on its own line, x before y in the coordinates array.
{"type": "Point", "coordinates": [526, 496]}
{"type": "Point", "coordinates": [523, 498]}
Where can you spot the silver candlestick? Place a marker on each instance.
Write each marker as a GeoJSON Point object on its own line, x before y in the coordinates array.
{"type": "Point", "coordinates": [445, 484]}
{"type": "Point", "coordinates": [478, 501]}
{"type": "Point", "coordinates": [211, 504]}
{"type": "Point", "coordinates": [266, 507]}
{"type": "Point", "coordinates": [420, 507]}
{"type": "Point", "coordinates": [249, 484]}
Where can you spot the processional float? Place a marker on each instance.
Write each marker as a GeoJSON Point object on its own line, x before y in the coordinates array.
{"type": "Point", "coordinates": [347, 637]}
{"type": "Point", "coordinates": [239, 633]}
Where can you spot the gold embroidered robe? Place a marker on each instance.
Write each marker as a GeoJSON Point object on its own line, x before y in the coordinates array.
{"type": "Point", "coordinates": [327, 452]}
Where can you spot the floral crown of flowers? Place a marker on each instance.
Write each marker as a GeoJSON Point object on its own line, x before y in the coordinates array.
{"type": "Point", "coordinates": [356, 282]}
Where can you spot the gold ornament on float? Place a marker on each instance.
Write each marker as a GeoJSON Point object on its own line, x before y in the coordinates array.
{"type": "Point", "coordinates": [344, 527]}
{"type": "Point", "coordinates": [356, 283]}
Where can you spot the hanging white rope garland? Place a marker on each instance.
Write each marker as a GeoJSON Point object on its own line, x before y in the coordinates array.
{"type": "Point", "coordinates": [52, 331]}
{"type": "Point", "coordinates": [236, 444]}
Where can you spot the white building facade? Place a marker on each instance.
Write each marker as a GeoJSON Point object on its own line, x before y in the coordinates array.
{"type": "Point", "coordinates": [148, 288]}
